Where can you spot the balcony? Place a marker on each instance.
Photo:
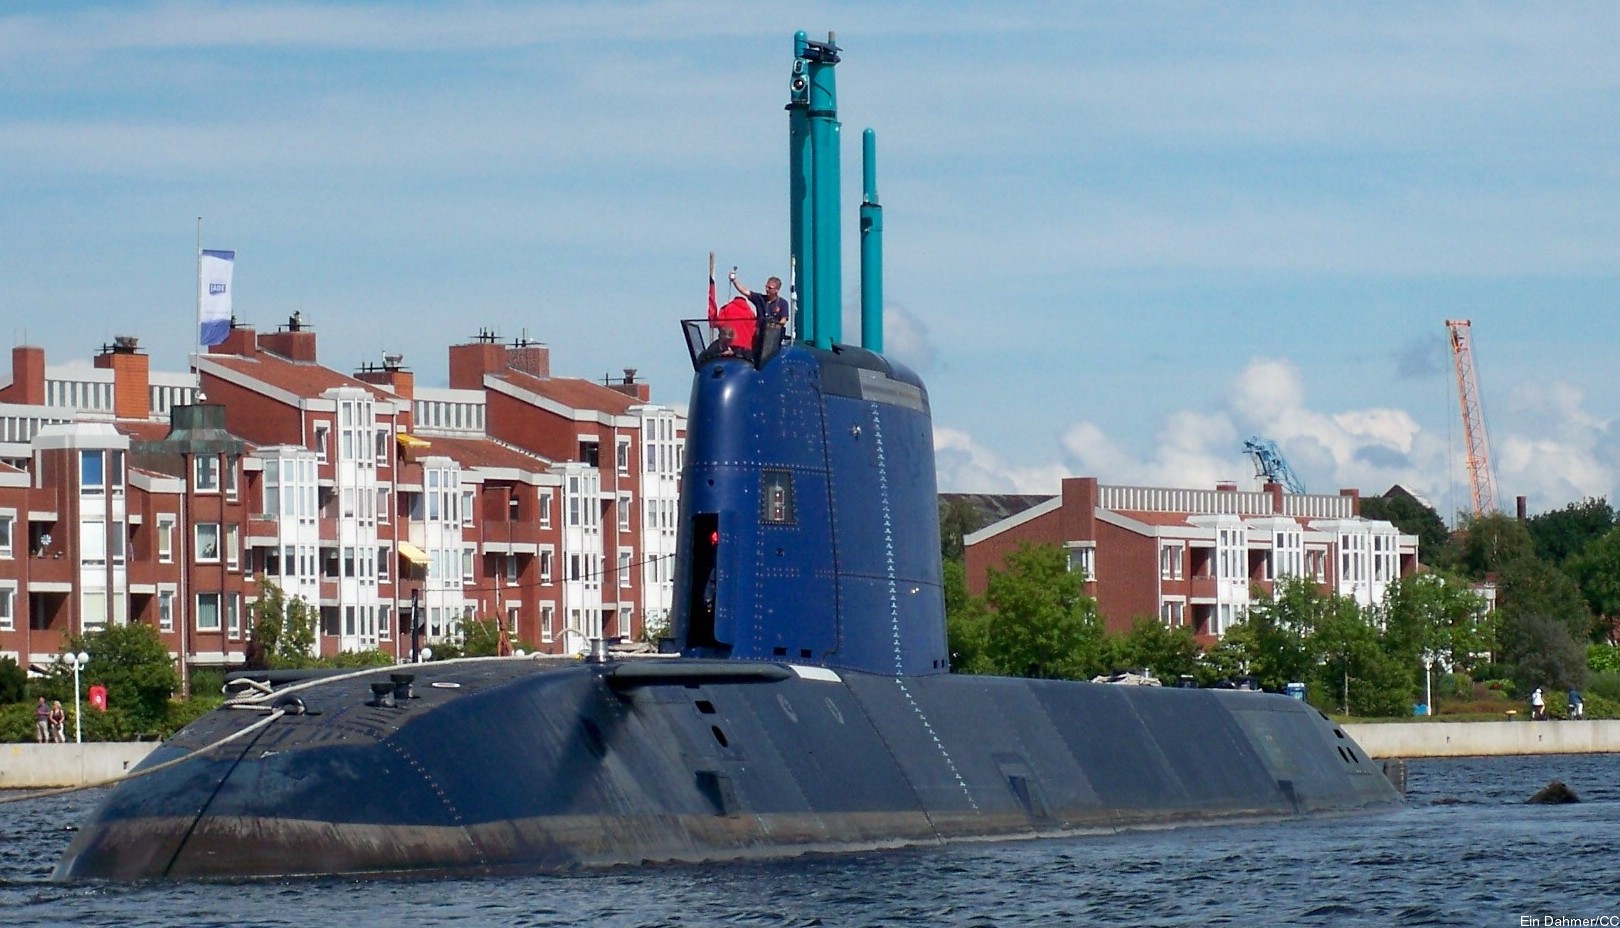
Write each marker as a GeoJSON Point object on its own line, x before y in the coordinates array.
{"type": "Point", "coordinates": [54, 569]}
{"type": "Point", "coordinates": [512, 537]}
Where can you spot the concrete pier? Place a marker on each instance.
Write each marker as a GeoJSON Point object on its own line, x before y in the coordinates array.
{"type": "Point", "coordinates": [1485, 739]}
{"type": "Point", "coordinates": [42, 766]}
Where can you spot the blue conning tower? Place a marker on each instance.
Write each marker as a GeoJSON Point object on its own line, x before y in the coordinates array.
{"type": "Point", "coordinates": [809, 512]}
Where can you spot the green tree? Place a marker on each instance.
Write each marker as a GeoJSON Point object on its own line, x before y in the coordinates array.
{"type": "Point", "coordinates": [967, 627]}
{"type": "Point", "coordinates": [1167, 652]}
{"type": "Point", "coordinates": [1596, 570]}
{"type": "Point", "coordinates": [1542, 625]}
{"type": "Point", "coordinates": [481, 637]}
{"type": "Point", "coordinates": [1353, 670]}
{"type": "Point", "coordinates": [1227, 660]}
{"type": "Point", "coordinates": [957, 518]}
{"type": "Point", "coordinates": [1529, 586]}
{"type": "Point", "coordinates": [13, 682]}
{"type": "Point", "coordinates": [1437, 614]}
{"type": "Point", "coordinates": [132, 662]}
{"type": "Point", "coordinates": [1563, 533]}
{"type": "Point", "coordinates": [1413, 518]}
{"type": "Point", "coordinates": [1487, 544]}
{"type": "Point", "coordinates": [1043, 624]}
{"type": "Point", "coordinates": [283, 633]}
{"type": "Point", "coordinates": [1274, 634]}
{"type": "Point", "coordinates": [1543, 653]}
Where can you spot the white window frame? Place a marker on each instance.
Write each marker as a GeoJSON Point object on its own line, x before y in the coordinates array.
{"type": "Point", "coordinates": [202, 557]}
{"type": "Point", "coordinates": [165, 539]}
{"type": "Point", "coordinates": [8, 533]}
{"type": "Point", "coordinates": [233, 546]}
{"type": "Point", "coordinates": [1084, 557]}
{"type": "Point", "coordinates": [218, 619]}
{"type": "Point", "coordinates": [8, 605]}
{"type": "Point", "coordinates": [166, 599]}
{"type": "Point", "coordinates": [93, 542]}
{"type": "Point", "coordinates": [205, 474]}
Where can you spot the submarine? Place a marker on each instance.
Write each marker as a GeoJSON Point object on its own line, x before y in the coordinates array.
{"type": "Point", "coordinates": [804, 704]}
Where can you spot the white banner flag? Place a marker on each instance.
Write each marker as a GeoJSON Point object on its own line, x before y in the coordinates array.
{"type": "Point", "coordinates": [214, 296]}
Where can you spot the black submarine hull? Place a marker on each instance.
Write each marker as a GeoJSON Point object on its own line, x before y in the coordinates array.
{"type": "Point", "coordinates": [509, 765]}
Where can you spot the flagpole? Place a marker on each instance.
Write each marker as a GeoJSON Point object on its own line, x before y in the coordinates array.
{"type": "Point", "coordinates": [196, 330]}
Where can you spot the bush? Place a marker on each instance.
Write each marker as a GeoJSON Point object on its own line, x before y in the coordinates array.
{"type": "Point", "coordinates": [1604, 685]}
{"type": "Point", "coordinates": [184, 712]}
{"type": "Point", "coordinates": [207, 682]}
{"type": "Point", "coordinates": [17, 722]}
{"type": "Point", "coordinates": [13, 682]}
{"type": "Point", "coordinates": [1603, 658]}
{"type": "Point", "coordinates": [359, 659]}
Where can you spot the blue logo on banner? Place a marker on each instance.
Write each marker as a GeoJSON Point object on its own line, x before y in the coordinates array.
{"type": "Point", "coordinates": [216, 289]}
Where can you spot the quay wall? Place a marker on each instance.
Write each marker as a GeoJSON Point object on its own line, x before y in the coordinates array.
{"type": "Point", "coordinates": [1485, 739]}
{"type": "Point", "coordinates": [42, 766]}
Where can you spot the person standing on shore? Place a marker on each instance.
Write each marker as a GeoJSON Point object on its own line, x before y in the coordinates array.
{"type": "Point", "coordinates": [1577, 709]}
{"type": "Point", "coordinates": [58, 722]}
{"type": "Point", "coordinates": [42, 722]}
{"type": "Point", "coordinates": [1538, 706]}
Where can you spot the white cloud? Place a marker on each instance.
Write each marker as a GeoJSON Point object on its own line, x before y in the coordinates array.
{"type": "Point", "coordinates": [966, 466]}
{"type": "Point", "coordinates": [1554, 451]}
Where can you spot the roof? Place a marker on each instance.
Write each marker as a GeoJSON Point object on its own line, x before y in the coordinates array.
{"type": "Point", "coordinates": [573, 392]}
{"type": "Point", "coordinates": [296, 377]}
{"type": "Point", "coordinates": [484, 452]}
{"type": "Point", "coordinates": [990, 508]}
{"type": "Point", "coordinates": [143, 431]}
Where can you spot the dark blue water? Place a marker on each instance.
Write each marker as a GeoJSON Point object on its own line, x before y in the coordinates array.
{"type": "Point", "coordinates": [1466, 850]}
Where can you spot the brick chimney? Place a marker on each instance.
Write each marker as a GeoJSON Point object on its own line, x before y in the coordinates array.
{"type": "Point", "coordinates": [1355, 500]}
{"type": "Point", "coordinates": [530, 357]}
{"type": "Point", "coordinates": [1275, 491]}
{"type": "Point", "coordinates": [630, 387]}
{"type": "Point", "coordinates": [296, 342]}
{"type": "Point", "coordinates": [470, 362]}
{"type": "Point", "coordinates": [1078, 515]}
{"type": "Point", "coordinates": [241, 340]}
{"type": "Point", "coordinates": [132, 377]}
{"type": "Point", "coordinates": [392, 375]}
{"type": "Point", "coordinates": [27, 376]}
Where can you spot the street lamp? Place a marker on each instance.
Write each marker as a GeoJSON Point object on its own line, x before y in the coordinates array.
{"type": "Point", "coordinates": [1428, 692]}
{"type": "Point", "coordinates": [77, 662]}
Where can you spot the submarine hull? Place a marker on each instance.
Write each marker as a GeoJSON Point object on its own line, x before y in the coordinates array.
{"type": "Point", "coordinates": [506, 765]}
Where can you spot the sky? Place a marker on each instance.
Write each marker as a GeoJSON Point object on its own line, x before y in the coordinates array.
{"type": "Point", "coordinates": [1120, 238]}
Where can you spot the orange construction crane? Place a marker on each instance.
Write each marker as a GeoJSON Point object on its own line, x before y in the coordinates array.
{"type": "Point", "coordinates": [1481, 475]}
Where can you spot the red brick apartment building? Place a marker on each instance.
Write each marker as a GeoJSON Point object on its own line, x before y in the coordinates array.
{"type": "Point", "coordinates": [128, 495]}
{"type": "Point", "coordinates": [1196, 557]}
